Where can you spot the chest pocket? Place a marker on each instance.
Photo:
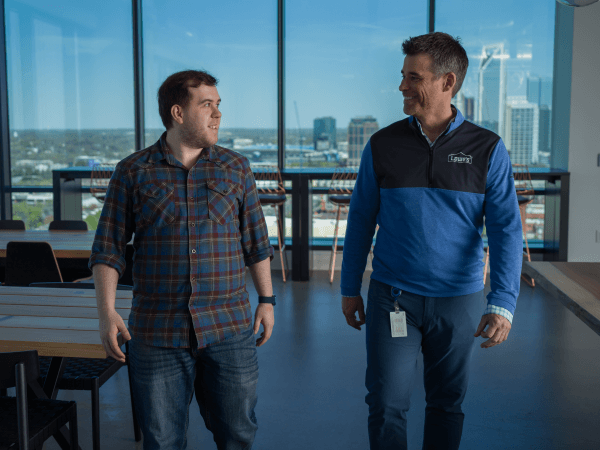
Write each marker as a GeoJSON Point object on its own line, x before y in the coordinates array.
{"type": "Point", "coordinates": [157, 205]}
{"type": "Point", "coordinates": [222, 201]}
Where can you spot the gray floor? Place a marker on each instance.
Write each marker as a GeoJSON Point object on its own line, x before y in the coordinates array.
{"type": "Point", "coordinates": [537, 390]}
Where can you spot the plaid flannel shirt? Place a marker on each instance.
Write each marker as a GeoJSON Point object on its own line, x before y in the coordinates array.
{"type": "Point", "coordinates": [194, 234]}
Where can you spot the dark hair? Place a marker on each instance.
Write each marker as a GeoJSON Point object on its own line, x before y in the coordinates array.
{"type": "Point", "coordinates": [445, 51]}
{"type": "Point", "coordinates": [174, 91]}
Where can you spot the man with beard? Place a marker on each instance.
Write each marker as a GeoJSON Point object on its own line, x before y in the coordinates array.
{"type": "Point", "coordinates": [198, 223]}
{"type": "Point", "coordinates": [428, 181]}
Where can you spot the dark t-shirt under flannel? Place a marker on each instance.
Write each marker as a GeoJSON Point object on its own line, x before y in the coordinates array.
{"type": "Point", "coordinates": [194, 234]}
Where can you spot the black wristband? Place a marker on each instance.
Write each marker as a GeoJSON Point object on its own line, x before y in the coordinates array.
{"type": "Point", "coordinates": [271, 300]}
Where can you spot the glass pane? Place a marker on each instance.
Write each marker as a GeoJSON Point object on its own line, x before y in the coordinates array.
{"type": "Point", "coordinates": [508, 87]}
{"type": "Point", "coordinates": [33, 208]}
{"type": "Point", "coordinates": [70, 85]}
{"type": "Point", "coordinates": [343, 63]}
{"type": "Point", "coordinates": [236, 42]}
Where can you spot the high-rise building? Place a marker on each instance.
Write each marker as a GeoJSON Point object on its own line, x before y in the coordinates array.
{"type": "Point", "coordinates": [324, 133]}
{"type": "Point", "coordinates": [465, 105]}
{"type": "Point", "coordinates": [360, 130]}
{"type": "Point", "coordinates": [469, 112]}
{"type": "Point", "coordinates": [492, 88]}
{"type": "Point", "coordinates": [539, 90]}
{"type": "Point", "coordinates": [544, 142]}
{"type": "Point", "coordinates": [522, 132]}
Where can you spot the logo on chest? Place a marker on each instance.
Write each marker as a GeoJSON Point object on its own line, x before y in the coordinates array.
{"type": "Point", "coordinates": [460, 158]}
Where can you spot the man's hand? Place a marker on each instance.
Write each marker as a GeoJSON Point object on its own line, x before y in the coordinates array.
{"type": "Point", "coordinates": [351, 305]}
{"type": "Point", "coordinates": [497, 332]}
{"type": "Point", "coordinates": [264, 314]}
{"type": "Point", "coordinates": [110, 324]}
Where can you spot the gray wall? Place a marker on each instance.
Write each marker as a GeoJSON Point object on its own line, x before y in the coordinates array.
{"type": "Point", "coordinates": [584, 137]}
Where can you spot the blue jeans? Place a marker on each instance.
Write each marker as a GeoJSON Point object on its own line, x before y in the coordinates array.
{"type": "Point", "coordinates": [224, 376]}
{"type": "Point", "coordinates": [442, 328]}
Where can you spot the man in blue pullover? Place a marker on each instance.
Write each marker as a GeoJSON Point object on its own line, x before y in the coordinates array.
{"type": "Point", "coordinates": [428, 181]}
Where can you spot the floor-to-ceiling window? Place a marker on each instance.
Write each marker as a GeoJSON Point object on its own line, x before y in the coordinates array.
{"type": "Point", "coordinates": [508, 87]}
{"type": "Point", "coordinates": [236, 42]}
{"type": "Point", "coordinates": [70, 94]}
{"type": "Point", "coordinates": [342, 72]}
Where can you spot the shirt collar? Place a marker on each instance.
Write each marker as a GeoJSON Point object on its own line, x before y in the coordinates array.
{"type": "Point", "coordinates": [160, 151]}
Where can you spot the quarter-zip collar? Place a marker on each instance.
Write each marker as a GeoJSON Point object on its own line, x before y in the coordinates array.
{"type": "Point", "coordinates": [454, 124]}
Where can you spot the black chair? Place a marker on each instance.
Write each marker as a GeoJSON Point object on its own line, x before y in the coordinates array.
{"type": "Point", "coordinates": [29, 262]}
{"type": "Point", "coordinates": [16, 225]}
{"type": "Point", "coordinates": [88, 374]}
{"type": "Point", "coordinates": [30, 422]}
{"type": "Point", "coordinates": [68, 225]}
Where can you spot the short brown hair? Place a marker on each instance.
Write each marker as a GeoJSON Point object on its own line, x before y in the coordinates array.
{"type": "Point", "coordinates": [447, 53]}
{"type": "Point", "coordinates": [174, 91]}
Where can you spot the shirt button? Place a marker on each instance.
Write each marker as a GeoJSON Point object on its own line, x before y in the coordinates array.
{"type": "Point", "coordinates": [191, 198]}
{"type": "Point", "coordinates": [193, 224]}
{"type": "Point", "coordinates": [193, 278]}
{"type": "Point", "coordinates": [193, 250]}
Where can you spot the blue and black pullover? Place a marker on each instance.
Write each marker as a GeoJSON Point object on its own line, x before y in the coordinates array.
{"type": "Point", "coordinates": [430, 203]}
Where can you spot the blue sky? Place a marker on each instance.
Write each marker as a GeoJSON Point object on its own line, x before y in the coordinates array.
{"type": "Point", "coordinates": [70, 62]}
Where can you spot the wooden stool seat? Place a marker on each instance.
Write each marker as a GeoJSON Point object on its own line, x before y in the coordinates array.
{"type": "Point", "coordinates": [272, 200]}
{"type": "Point", "coordinates": [340, 199]}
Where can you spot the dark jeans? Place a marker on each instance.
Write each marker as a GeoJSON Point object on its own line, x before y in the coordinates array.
{"type": "Point", "coordinates": [224, 377]}
{"type": "Point", "coordinates": [442, 328]}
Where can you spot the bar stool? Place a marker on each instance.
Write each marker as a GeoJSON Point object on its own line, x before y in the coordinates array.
{"type": "Point", "coordinates": [271, 192]}
{"type": "Point", "coordinates": [101, 174]}
{"type": "Point", "coordinates": [340, 193]}
{"type": "Point", "coordinates": [525, 195]}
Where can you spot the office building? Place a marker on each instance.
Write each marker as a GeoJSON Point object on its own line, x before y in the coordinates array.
{"type": "Point", "coordinates": [539, 90]}
{"type": "Point", "coordinates": [492, 88]}
{"type": "Point", "coordinates": [360, 130]}
{"type": "Point", "coordinates": [324, 133]}
{"type": "Point", "coordinates": [522, 131]}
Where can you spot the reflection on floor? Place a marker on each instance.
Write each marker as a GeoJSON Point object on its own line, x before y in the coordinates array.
{"type": "Point", "coordinates": [537, 390]}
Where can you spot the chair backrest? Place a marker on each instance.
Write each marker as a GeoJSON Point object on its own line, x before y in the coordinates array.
{"type": "Point", "coordinates": [68, 225]}
{"type": "Point", "coordinates": [268, 180]}
{"type": "Point", "coordinates": [28, 262]}
{"type": "Point", "coordinates": [12, 225]}
{"type": "Point", "coordinates": [9, 360]}
{"type": "Point", "coordinates": [523, 183]}
{"type": "Point", "coordinates": [67, 285]}
{"type": "Point", "coordinates": [101, 174]}
{"type": "Point", "coordinates": [343, 180]}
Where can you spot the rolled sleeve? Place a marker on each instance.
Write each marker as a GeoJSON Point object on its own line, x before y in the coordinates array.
{"type": "Point", "coordinates": [253, 228]}
{"type": "Point", "coordinates": [116, 225]}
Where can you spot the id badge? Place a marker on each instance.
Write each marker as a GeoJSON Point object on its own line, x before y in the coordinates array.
{"type": "Point", "coordinates": [398, 322]}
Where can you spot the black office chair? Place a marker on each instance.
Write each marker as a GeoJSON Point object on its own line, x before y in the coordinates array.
{"type": "Point", "coordinates": [16, 225]}
{"type": "Point", "coordinates": [68, 225]}
{"type": "Point", "coordinates": [29, 262]}
{"type": "Point", "coordinates": [29, 422]}
{"type": "Point", "coordinates": [89, 374]}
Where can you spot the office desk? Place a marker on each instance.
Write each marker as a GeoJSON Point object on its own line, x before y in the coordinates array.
{"type": "Point", "coordinates": [56, 322]}
{"type": "Point", "coordinates": [575, 285]}
{"type": "Point", "coordinates": [66, 244]}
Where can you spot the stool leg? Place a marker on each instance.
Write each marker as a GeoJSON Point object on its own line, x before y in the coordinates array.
{"type": "Point", "coordinates": [487, 258]}
{"type": "Point", "coordinates": [281, 241]}
{"type": "Point", "coordinates": [334, 247]}
{"type": "Point", "coordinates": [530, 281]}
{"type": "Point", "coordinates": [96, 414]}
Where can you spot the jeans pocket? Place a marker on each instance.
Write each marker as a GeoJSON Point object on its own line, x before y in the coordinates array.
{"type": "Point", "coordinates": [222, 201]}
